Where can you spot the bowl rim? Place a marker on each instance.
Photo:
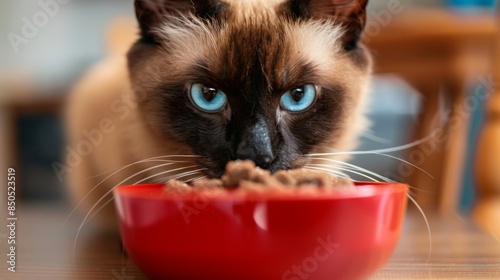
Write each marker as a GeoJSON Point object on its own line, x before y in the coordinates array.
{"type": "Point", "coordinates": [363, 190]}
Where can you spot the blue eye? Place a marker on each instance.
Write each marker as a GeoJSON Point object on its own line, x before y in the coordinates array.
{"type": "Point", "coordinates": [207, 99]}
{"type": "Point", "coordinates": [299, 99]}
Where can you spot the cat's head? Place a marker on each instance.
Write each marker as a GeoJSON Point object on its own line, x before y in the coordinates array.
{"type": "Point", "coordinates": [266, 80]}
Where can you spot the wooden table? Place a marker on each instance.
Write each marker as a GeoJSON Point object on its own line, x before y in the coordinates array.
{"type": "Point", "coordinates": [459, 250]}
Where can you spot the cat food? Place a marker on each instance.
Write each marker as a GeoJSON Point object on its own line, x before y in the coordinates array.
{"type": "Point", "coordinates": [245, 176]}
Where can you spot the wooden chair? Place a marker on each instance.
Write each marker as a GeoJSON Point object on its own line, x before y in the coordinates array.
{"type": "Point", "coordinates": [487, 210]}
{"type": "Point", "coordinates": [440, 53]}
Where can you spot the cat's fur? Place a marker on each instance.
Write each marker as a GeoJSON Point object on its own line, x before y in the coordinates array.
{"type": "Point", "coordinates": [253, 50]}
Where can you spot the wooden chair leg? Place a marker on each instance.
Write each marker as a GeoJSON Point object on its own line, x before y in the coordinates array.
{"type": "Point", "coordinates": [487, 209]}
{"type": "Point", "coordinates": [456, 146]}
{"type": "Point", "coordinates": [443, 154]}
{"type": "Point", "coordinates": [428, 156]}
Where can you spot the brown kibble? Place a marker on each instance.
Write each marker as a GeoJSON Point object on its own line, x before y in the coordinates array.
{"type": "Point", "coordinates": [318, 179]}
{"type": "Point", "coordinates": [343, 182]}
{"type": "Point", "coordinates": [245, 176]}
{"type": "Point", "coordinates": [249, 185]}
{"type": "Point", "coordinates": [237, 171]}
{"type": "Point", "coordinates": [175, 184]}
{"type": "Point", "coordinates": [208, 183]}
{"type": "Point", "coordinates": [285, 178]}
{"type": "Point", "coordinates": [178, 187]}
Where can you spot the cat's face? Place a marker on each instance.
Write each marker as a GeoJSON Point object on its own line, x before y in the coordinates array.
{"type": "Point", "coordinates": [269, 81]}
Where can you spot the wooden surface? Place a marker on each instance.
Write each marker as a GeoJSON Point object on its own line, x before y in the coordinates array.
{"type": "Point", "coordinates": [459, 250]}
{"type": "Point", "coordinates": [441, 54]}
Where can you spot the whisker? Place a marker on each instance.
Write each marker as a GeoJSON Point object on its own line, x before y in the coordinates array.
{"type": "Point", "coordinates": [99, 209]}
{"type": "Point", "coordinates": [120, 169]}
{"type": "Point", "coordinates": [375, 138]}
{"type": "Point", "coordinates": [181, 175]}
{"type": "Point", "coordinates": [142, 161]}
{"type": "Point", "coordinates": [170, 171]}
{"type": "Point", "coordinates": [357, 168]}
{"type": "Point", "coordinates": [426, 223]}
{"type": "Point", "coordinates": [138, 182]}
{"type": "Point", "coordinates": [188, 174]}
{"type": "Point", "coordinates": [336, 169]}
{"type": "Point", "coordinates": [386, 150]}
{"type": "Point", "coordinates": [334, 172]}
{"type": "Point", "coordinates": [407, 162]}
{"type": "Point", "coordinates": [102, 181]}
{"type": "Point", "coordinates": [385, 179]}
{"type": "Point", "coordinates": [379, 154]}
{"type": "Point", "coordinates": [351, 171]}
{"type": "Point", "coordinates": [152, 159]}
{"type": "Point", "coordinates": [111, 190]}
{"type": "Point", "coordinates": [408, 195]}
{"type": "Point", "coordinates": [196, 179]}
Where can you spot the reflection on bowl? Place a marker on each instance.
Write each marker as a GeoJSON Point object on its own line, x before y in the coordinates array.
{"type": "Point", "coordinates": [343, 235]}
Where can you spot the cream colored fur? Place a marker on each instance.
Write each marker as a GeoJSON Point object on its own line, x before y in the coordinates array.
{"type": "Point", "coordinates": [104, 95]}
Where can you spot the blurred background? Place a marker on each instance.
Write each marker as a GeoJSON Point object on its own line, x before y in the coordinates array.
{"type": "Point", "coordinates": [37, 73]}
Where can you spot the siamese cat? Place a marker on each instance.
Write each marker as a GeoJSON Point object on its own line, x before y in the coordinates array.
{"type": "Point", "coordinates": [210, 81]}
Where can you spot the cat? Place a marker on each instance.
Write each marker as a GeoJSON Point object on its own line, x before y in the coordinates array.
{"type": "Point", "coordinates": [212, 81]}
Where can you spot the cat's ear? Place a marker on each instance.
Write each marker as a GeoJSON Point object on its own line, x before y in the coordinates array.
{"type": "Point", "coordinates": [350, 13]}
{"type": "Point", "coordinates": [152, 13]}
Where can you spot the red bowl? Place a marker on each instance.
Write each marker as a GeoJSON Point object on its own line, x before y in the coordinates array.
{"type": "Point", "coordinates": [345, 235]}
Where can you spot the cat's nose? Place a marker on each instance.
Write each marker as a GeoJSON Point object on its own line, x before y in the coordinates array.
{"type": "Point", "coordinates": [256, 145]}
{"type": "Point", "coordinates": [262, 157]}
